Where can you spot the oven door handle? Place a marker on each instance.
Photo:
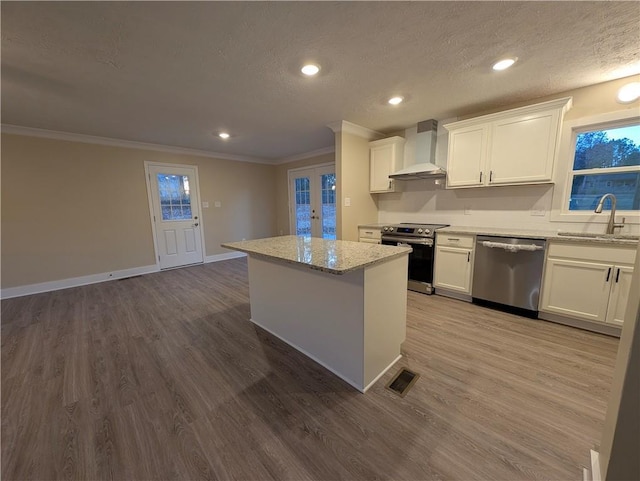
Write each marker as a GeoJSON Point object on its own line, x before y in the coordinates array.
{"type": "Point", "coordinates": [408, 240]}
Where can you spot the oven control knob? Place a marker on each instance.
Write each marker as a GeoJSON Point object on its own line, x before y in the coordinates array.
{"type": "Point", "coordinates": [390, 229]}
{"type": "Point", "coordinates": [385, 229]}
{"type": "Point", "coordinates": [419, 231]}
{"type": "Point", "coordinates": [426, 231]}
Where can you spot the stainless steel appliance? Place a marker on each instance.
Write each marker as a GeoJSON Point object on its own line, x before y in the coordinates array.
{"type": "Point", "coordinates": [420, 237]}
{"type": "Point", "coordinates": [508, 271]}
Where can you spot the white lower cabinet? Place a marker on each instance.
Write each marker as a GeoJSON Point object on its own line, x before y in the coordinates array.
{"type": "Point", "coordinates": [453, 262]}
{"type": "Point", "coordinates": [587, 282]}
{"type": "Point", "coordinates": [370, 235]}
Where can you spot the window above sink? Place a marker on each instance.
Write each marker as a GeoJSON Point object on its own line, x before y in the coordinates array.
{"type": "Point", "coordinates": [606, 160]}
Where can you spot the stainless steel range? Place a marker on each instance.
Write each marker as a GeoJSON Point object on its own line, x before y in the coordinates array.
{"type": "Point", "coordinates": [420, 237]}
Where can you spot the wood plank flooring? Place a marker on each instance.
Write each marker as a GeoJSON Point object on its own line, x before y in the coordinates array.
{"type": "Point", "coordinates": [163, 377]}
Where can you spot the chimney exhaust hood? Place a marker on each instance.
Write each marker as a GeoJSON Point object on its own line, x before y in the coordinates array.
{"type": "Point", "coordinates": [425, 167]}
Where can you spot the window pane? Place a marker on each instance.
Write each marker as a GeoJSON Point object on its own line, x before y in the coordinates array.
{"type": "Point", "coordinates": [601, 149]}
{"type": "Point", "coordinates": [175, 196]}
{"type": "Point", "coordinates": [587, 190]}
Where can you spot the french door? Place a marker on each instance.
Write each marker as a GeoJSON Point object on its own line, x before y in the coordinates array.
{"type": "Point", "coordinates": [312, 201]}
{"type": "Point", "coordinates": [175, 206]}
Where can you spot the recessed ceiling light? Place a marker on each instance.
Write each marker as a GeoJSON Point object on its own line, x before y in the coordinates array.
{"type": "Point", "coordinates": [223, 135]}
{"type": "Point", "coordinates": [395, 100]}
{"type": "Point", "coordinates": [504, 64]}
{"type": "Point", "coordinates": [310, 70]}
{"type": "Point", "coordinates": [629, 93]}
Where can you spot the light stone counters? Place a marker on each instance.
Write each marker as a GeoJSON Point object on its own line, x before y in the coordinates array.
{"type": "Point", "coordinates": [332, 256]}
{"type": "Point", "coordinates": [539, 234]}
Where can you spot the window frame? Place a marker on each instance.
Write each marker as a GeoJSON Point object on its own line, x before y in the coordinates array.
{"type": "Point", "coordinates": [564, 173]}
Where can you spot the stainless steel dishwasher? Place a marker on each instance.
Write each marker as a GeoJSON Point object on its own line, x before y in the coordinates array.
{"type": "Point", "coordinates": [508, 271]}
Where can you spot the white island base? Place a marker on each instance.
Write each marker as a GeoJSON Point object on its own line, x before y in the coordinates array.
{"type": "Point", "coordinates": [352, 324]}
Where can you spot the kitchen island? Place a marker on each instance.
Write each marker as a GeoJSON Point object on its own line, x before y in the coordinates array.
{"type": "Point", "coordinates": [341, 303]}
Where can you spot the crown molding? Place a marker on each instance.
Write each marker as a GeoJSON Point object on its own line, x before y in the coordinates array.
{"type": "Point", "coordinates": [348, 127]}
{"type": "Point", "coordinates": [91, 139]}
{"type": "Point", "coordinates": [307, 155]}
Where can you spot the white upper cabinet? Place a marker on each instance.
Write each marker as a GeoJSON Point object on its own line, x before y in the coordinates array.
{"type": "Point", "coordinates": [467, 156]}
{"type": "Point", "coordinates": [517, 146]}
{"type": "Point", "coordinates": [386, 157]}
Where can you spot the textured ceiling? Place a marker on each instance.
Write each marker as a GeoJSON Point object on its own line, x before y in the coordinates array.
{"type": "Point", "coordinates": [173, 73]}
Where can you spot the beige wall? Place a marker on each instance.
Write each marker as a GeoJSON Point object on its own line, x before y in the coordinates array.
{"type": "Point", "coordinates": [352, 174]}
{"type": "Point", "coordinates": [282, 187]}
{"type": "Point", "coordinates": [591, 100]}
{"type": "Point", "coordinates": [73, 209]}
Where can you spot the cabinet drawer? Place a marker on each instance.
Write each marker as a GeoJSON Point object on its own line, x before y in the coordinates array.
{"type": "Point", "coordinates": [367, 240]}
{"type": "Point", "coordinates": [455, 240]}
{"type": "Point", "coordinates": [369, 233]}
{"type": "Point", "coordinates": [612, 254]}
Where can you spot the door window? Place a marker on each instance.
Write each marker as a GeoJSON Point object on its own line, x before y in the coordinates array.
{"type": "Point", "coordinates": [175, 196]}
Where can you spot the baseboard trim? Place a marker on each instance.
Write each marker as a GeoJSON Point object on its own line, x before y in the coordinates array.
{"type": "Point", "coordinates": [29, 289]}
{"type": "Point", "coordinates": [49, 286]}
{"type": "Point", "coordinates": [224, 257]}
{"type": "Point", "coordinates": [606, 329]}
{"type": "Point", "coordinates": [452, 294]}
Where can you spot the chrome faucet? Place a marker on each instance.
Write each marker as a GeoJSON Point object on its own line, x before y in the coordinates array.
{"type": "Point", "coordinates": [611, 226]}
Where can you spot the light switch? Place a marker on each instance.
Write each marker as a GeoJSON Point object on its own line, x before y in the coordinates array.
{"type": "Point", "coordinates": [217, 203]}
{"type": "Point", "coordinates": [347, 201]}
{"type": "Point", "coordinates": [205, 205]}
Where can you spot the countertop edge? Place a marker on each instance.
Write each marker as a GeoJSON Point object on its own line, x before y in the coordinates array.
{"type": "Point", "coordinates": [328, 270]}
{"type": "Point", "coordinates": [532, 234]}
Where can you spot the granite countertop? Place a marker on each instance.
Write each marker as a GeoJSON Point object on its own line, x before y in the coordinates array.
{"type": "Point", "coordinates": [332, 256]}
{"type": "Point", "coordinates": [620, 239]}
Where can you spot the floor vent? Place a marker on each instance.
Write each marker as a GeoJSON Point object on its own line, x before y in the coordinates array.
{"type": "Point", "coordinates": [402, 382]}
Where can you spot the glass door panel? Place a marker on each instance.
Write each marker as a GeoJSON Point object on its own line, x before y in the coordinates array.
{"type": "Point", "coordinates": [313, 198]}
{"type": "Point", "coordinates": [302, 186]}
{"type": "Point", "coordinates": [328, 182]}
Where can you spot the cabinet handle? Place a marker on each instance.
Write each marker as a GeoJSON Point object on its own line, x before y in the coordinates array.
{"type": "Point", "coordinates": [468, 256]}
{"type": "Point", "coordinates": [481, 177]}
{"type": "Point", "coordinates": [490, 175]}
{"type": "Point", "coordinates": [389, 184]}
{"type": "Point", "coordinates": [452, 239]}
{"type": "Point", "coordinates": [608, 274]}
{"type": "Point", "coordinates": [617, 275]}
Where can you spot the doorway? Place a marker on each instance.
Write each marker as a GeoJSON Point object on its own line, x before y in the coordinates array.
{"type": "Point", "coordinates": [174, 203]}
{"type": "Point", "coordinates": [312, 201]}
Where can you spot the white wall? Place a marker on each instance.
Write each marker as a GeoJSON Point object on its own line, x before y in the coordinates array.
{"type": "Point", "coordinates": [528, 206]}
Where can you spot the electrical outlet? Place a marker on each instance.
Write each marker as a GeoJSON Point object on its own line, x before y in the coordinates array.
{"type": "Point", "coordinates": [217, 203]}
{"type": "Point", "coordinates": [205, 205]}
{"type": "Point", "coordinates": [347, 201]}
{"type": "Point", "coordinates": [538, 212]}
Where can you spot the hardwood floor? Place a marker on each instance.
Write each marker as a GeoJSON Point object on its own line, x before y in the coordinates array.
{"type": "Point", "coordinates": [163, 377]}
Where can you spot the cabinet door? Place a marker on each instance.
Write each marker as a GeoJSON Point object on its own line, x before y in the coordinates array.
{"type": "Point", "coordinates": [453, 269]}
{"type": "Point", "coordinates": [467, 156]}
{"type": "Point", "coordinates": [523, 148]}
{"type": "Point", "coordinates": [621, 285]}
{"type": "Point", "coordinates": [383, 161]}
{"type": "Point", "coordinates": [577, 288]}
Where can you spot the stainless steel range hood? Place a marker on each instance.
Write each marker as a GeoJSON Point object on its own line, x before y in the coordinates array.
{"type": "Point", "coordinates": [425, 167]}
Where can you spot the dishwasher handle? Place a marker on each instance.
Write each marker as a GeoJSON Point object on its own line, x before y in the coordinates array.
{"type": "Point", "coordinates": [512, 247]}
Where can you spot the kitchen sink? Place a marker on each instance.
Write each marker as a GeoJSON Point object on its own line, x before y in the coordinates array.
{"type": "Point", "coordinates": [600, 236]}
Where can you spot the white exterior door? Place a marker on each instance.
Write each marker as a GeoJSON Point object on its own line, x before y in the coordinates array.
{"type": "Point", "coordinates": [175, 205]}
{"type": "Point", "coordinates": [312, 202]}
